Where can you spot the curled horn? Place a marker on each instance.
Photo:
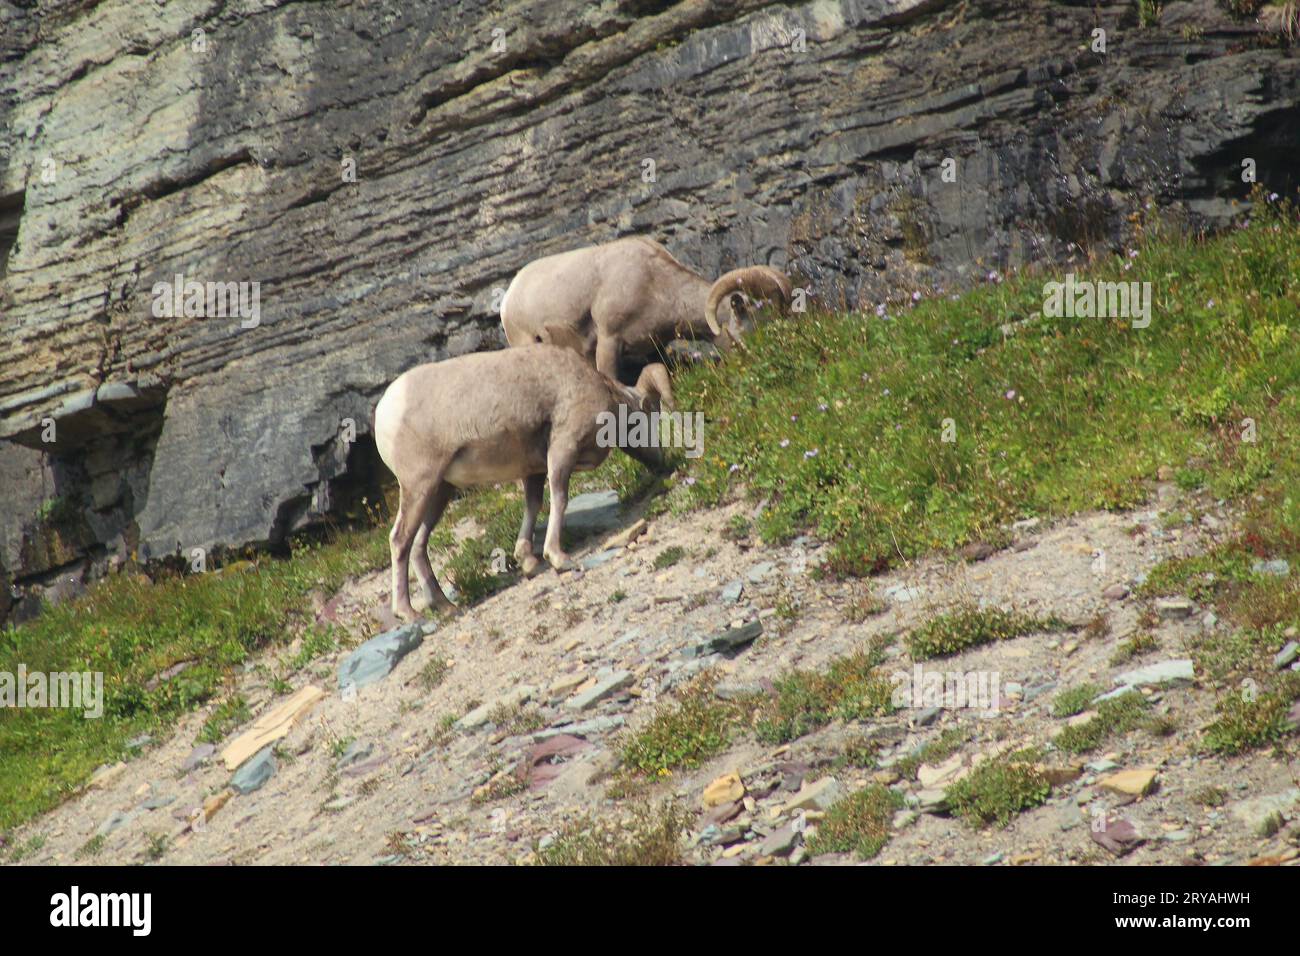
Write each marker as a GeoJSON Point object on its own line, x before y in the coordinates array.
{"type": "Point", "coordinates": [757, 282]}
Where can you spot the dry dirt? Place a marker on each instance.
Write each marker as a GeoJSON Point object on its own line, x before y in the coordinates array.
{"type": "Point", "coordinates": [412, 799]}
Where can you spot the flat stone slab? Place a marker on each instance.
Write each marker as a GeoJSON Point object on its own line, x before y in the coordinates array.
{"type": "Point", "coordinates": [1254, 811]}
{"type": "Point", "coordinates": [595, 512]}
{"type": "Point", "coordinates": [1179, 671]}
{"type": "Point", "coordinates": [730, 639]}
{"type": "Point", "coordinates": [584, 728]}
{"type": "Point", "coordinates": [604, 687]}
{"type": "Point", "coordinates": [375, 659]}
{"type": "Point", "coordinates": [254, 774]}
{"type": "Point", "coordinates": [1287, 654]}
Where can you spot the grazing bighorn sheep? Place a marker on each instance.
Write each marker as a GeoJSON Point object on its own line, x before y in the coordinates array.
{"type": "Point", "coordinates": [489, 417]}
{"type": "Point", "coordinates": [630, 298]}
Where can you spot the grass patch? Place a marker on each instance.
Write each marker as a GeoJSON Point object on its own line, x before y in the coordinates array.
{"type": "Point", "coordinates": [229, 714]}
{"type": "Point", "coordinates": [1076, 700]}
{"type": "Point", "coordinates": [130, 630]}
{"type": "Point", "coordinates": [860, 823]}
{"type": "Point", "coordinates": [998, 789]}
{"type": "Point", "coordinates": [838, 420]}
{"type": "Point", "coordinates": [651, 836]}
{"type": "Point", "coordinates": [1247, 720]}
{"type": "Point", "coordinates": [434, 672]}
{"type": "Point", "coordinates": [971, 626]}
{"type": "Point", "coordinates": [683, 734]}
{"type": "Point", "coordinates": [1135, 645]}
{"type": "Point", "coordinates": [939, 749]}
{"type": "Point", "coordinates": [1115, 716]}
{"type": "Point", "coordinates": [852, 688]}
{"type": "Point", "coordinates": [1210, 796]}
{"type": "Point", "coordinates": [669, 556]}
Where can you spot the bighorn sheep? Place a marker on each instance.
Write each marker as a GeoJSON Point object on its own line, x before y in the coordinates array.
{"type": "Point", "coordinates": [629, 298]}
{"type": "Point", "coordinates": [488, 417]}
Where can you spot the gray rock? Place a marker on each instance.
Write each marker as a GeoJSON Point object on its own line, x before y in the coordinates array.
{"type": "Point", "coordinates": [592, 513]}
{"type": "Point", "coordinates": [255, 772]}
{"type": "Point", "coordinates": [157, 801]}
{"type": "Point", "coordinates": [926, 716]}
{"type": "Point", "coordinates": [117, 819]}
{"type": "Point", "coordinates": [356, 752]}
{"type": "Point", "coordinates": [1253, 812]}
{"type": "Point", "coordinates": [903, 593]}
{"type": "Point", "coordinates": [376, 658]}
{"type": "Point", "coordinates": [992, 859]}
{"type": "Point", "coordinates": [1116, 592]}
{"type": "Point", "coordinates": [932, 801]}
{"type": "Point", "coordinates": [1287, 655]}
{"type": "Point", "coordinates": [198, 757]}
{"type": "Point", "coordinates": [1037, 690]}
{"type": "Point", "coordinates": [604, 687]}
{"type": "Point", "coordinates": [599, 558]}
{"type": "Point", "coordinates": [1278, 567]}
{"type": "Point", "coordinates": [759, 571]}
{"type": "Point", "coordinates": [1175, 608]}
{"type": "Point", "coordinates": [732, 592]}
{"type": "Point", "coordinates": [1163, 674]}
{"type": "Point", "coordinates": [728, 690]}
{"type": "Point", "coordinates": [780, 843]}
{"type": "Point", "coordinates": [1070, 816]}
{"type": "Point", "coordinates": [725, 641]}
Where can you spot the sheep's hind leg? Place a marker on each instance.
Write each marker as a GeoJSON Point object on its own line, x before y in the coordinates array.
{"type": "Point", "coordinates": [533, 486]}
{"type": "Point", "coordinates": [559, 466]}
{"type": "Point", "coordinates": [411, 509]}
{"type": "Point", "coordinates": [433, 593]}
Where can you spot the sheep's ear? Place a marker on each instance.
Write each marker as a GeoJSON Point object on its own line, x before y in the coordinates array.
{"type": "Point", "coordinates": [565, 338]}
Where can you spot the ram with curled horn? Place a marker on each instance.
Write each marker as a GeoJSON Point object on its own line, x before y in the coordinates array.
{"type": "Point", "coordinates": [626, 300]}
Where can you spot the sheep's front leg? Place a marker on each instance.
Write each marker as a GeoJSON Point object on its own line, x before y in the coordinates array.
{"type": "Point", "coordinates": [559, 466]}
{"type": "Point", "coordinates": [609, 352]}
{"type": "Point", "coordinates": [533, 487]}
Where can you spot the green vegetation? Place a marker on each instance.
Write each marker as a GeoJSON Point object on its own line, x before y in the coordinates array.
{"type": "Point", "coordinates": [937, 750]}
{"type": "Point", "coordinates": [682, 734]}
{"type": "Point", "coordinates": [852, 688]}
{"type": "Point", "coordinates": [1115, 716]}
{"type": "Point", "coordinates": [970, 627]}
{"type": "Point", "coordinates": [859, 823]}
{"type": "Point", "coordinates": [434, 672]}
{"type": "Point", "coordinates": [669, 556]}
{"type": "Point", "coordinates": [652, 836]}
{"type": "Point", "coordinates": [1076, 699]}
{"type": "Point", "coordinates": [1135, 645]}
{"type": "Point", "coordinates": [131, 630]}
{"type": "Point", "coordinates": [998, 789]}
{"type": "Point", "coordinates": [838, 420]}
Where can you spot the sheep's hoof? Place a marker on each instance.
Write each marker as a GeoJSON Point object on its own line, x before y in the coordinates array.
{"type": "Point", "coordinates": [560, 562]}
{"type": "Point", "coordinates": [530, 565]}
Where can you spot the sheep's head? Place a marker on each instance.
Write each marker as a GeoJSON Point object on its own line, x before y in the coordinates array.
{"type": "Point", "coordinates": [737, 291]}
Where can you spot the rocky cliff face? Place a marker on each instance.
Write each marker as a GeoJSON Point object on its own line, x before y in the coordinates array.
{"type": "Point", "coordinates": [379, 172]}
